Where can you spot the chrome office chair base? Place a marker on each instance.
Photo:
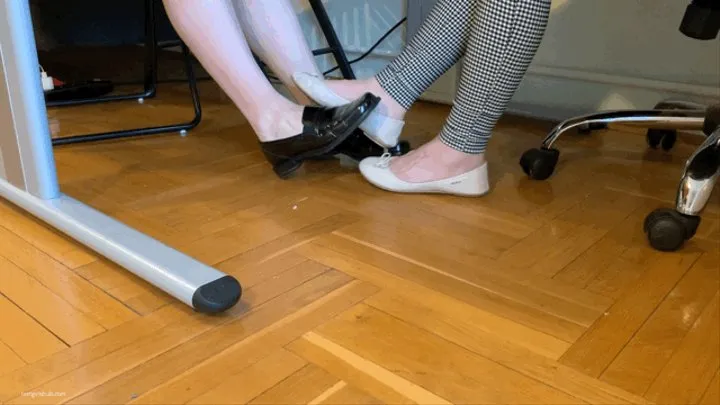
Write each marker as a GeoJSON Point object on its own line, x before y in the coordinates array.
{"type": "Point", "coordinates": [662, 122]}
{"type": "Point", "coordinates": [666, 229]}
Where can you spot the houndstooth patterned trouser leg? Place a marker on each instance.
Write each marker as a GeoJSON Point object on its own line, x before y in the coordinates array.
{"type": "Point", "coordinates": [498, 38]}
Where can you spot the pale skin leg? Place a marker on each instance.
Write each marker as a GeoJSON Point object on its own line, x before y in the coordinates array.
{"type": "Point", "coordinates": [213, 32]}
{"type": "Point", "coordinates": [273, 31]}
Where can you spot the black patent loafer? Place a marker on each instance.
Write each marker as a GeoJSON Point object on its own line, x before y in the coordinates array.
{"type": "Point", "coordinates": [358, 147]}
{"type": "Point", "coordinates": [324, 129]}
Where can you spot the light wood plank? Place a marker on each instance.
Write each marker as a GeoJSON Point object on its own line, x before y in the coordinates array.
{"type": "Point", "coordinates": [54, 313]}
{"type": "Point", "coordinates": [248, 347]}
{"type": "Point", "coordinates": [426, 360]}
{"type": "Point", "coordinates": [441, 311]}
{"type": "Point", "coordinates": [596, 349]}
{"type": "Point", "coordinates": [9, 360]}
{"type": "Point", "coordinates": [484, 217]}
{"type": "Point", "coordinates": [163, 361]}
{"type": "Point", "coordinates": [712, 395]}
{"type": "Point", "coordinates": [54, 366]}
{"type": "Point", "coordinates": [363, 375]}
{"type": "Point", "coordinates": [233, 241]}
{"type": "Point", "coordinates": [244, 386]}
{"type": "Point", "coordinates": [26, 337]}
{"type": "Point", "coordinates": [624, 273]}
{"type": "Point", "coordinates": [148, 303]}
{"type": "Point", "coordinates": [231, 204]}
{"type": "Point", "coordinates": [260, 270]}
{"type": "Point", "coordinates": [287, 243]}
{"type": "Point", "coordinates": [53, 243]}
{"type": "Point", "coordinates": [391, 272]}
{"type": "Point", "coordinates": [709, 229]}
{"type": "Point", "coordinates": [640, 362]}
{"type": "Point", "coordinates": [502, 282]}
{"type": "Point", "coordinates": [552, 247]}
{"type": "Point", "coordinates": [465, 241]}
{"type": "Point", "coordinates": [391, 381]}
{"type": "Point", "coordinates": [389, 207]}
{"type": "Point", "coordinates": [304, 386]}
{"type": "Point", "coordinates": [62, 281]}
{"type": "Point", "coordinates": [605, 253]}
{"type": "Point", "coordinates": [457, 325]}
{"type": "Point", "coordinates": [692, 367]}
{"type": "Point", "coordinates": [115, 363]}
{"type": "Point", "coordinates": [347, 395]}
{"type": "Point", "coordinates": [134, 292]}
{"type": "Point", "coordinates": [122, 188]}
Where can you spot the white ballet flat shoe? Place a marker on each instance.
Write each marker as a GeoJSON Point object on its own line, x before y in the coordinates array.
{"type": "Point", "coordinates": [383, 130]}
{"type": "Point", "coordinates": [377, 171]}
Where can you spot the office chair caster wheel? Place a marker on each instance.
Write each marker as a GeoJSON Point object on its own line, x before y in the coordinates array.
{"type": "Point", "coordinates": [664, 138]}
{"type": "Point", "coordinates": [712, 119]}
{"type": "Point", "coordinates": [667, 230]}
{"type": "Point", "coordinates": [588, 128]}
{"type": "Point", "coordinates": [539, 164]}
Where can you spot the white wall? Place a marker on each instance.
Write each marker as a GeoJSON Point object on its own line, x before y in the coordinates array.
{"type": "Point", "coordinates": [616, 54]}
{"type": "Point", "coordinates": [359, 24]}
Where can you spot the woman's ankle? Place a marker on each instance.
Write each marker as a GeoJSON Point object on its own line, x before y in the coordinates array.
{"type": "Point", "coordinates": [278, 123]}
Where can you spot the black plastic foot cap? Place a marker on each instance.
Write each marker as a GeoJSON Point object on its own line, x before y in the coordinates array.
{"type": "Point", "coordinates": [217, 296]}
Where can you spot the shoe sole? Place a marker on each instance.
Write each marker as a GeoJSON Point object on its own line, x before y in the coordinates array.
{"type": "Point", "coordinates": [430, 192]}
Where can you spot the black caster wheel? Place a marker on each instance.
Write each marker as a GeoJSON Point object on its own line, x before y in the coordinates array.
{"type": "Point", "coordinates": [665, 138]}
{"type": "Point", "coordinates": [588, 128]}
{"type": "Point", "coordinates": [539, 164]}
{"type": "Point", "coordinates": [402, 148]}
{"type": "Point", "coordinates": [667, 230]}
{"type": "Point", "coordinates": [712, 119]}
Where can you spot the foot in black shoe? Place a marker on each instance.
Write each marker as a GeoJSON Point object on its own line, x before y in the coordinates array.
{"type": "Point", "coordinates": [358, 147]}
{"type": "Point", "coordinates": [323, 130]}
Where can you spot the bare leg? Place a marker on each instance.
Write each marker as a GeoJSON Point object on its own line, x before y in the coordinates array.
{"type": "Point", "coordinates": [274, 34]}
{"type": "Point", "coordinates": [211, 30]}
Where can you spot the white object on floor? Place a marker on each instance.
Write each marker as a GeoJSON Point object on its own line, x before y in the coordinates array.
{"type": "Point", "coordinates": [381, 129]}
{"type": "Point", "coordinates": [47, 81]}
{"type": "Point", "coordinates": [377, 171]}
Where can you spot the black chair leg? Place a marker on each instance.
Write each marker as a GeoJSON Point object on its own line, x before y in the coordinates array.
{"type": "Point", "coordinates": [335, 47]}
{"type": "Point", "coordinates": [150, 90]}
{"type": "Point", "coordinates": [192, 83]}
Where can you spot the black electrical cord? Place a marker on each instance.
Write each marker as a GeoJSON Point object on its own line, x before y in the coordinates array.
{"type": "Point", "coordinates": [372, 48]}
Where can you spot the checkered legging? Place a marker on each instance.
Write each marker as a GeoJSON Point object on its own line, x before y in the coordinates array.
{"type": "Point", "coordinates": [498, 39]}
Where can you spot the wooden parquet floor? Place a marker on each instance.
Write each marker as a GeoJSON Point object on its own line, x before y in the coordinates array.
{"type": "Point", "coordinates": [541, 292]}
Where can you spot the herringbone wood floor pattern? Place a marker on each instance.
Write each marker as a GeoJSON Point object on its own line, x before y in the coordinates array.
{"type": "Point", "coordinates": [541, 292]}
